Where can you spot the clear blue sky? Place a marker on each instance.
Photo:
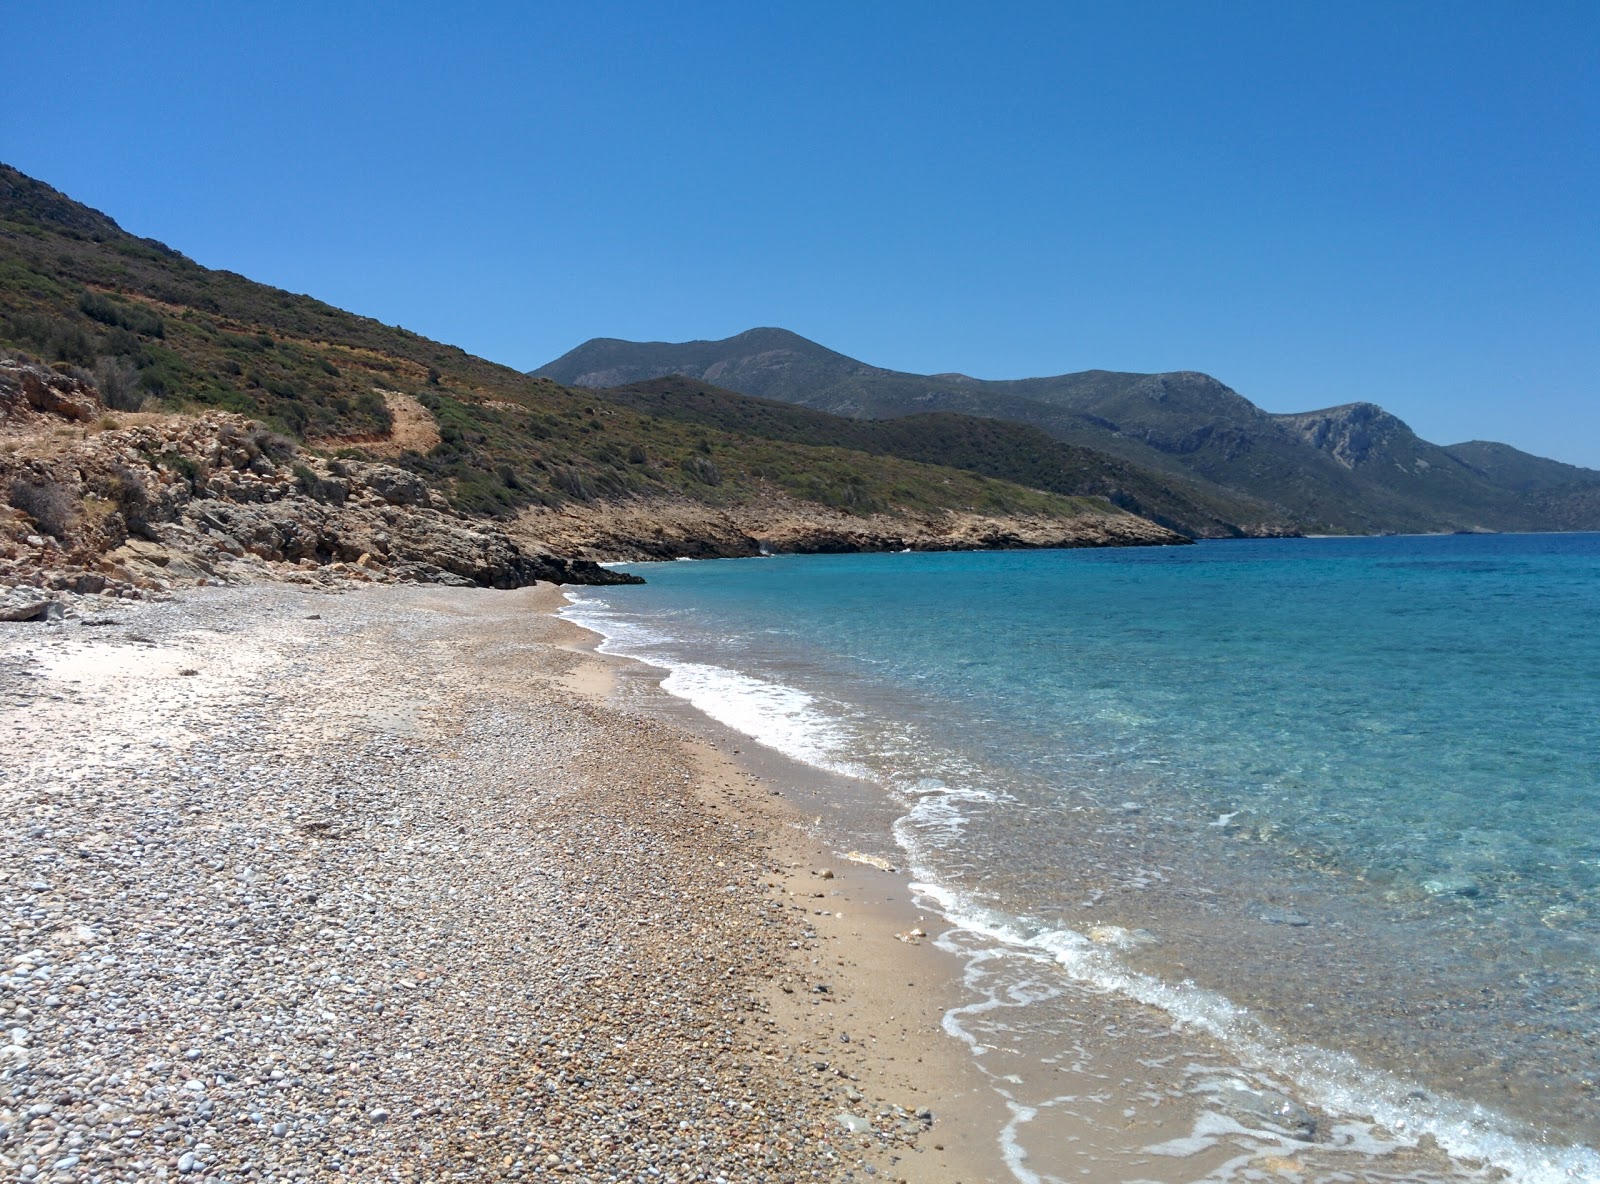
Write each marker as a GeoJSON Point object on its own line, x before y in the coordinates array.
{"type": "Point", "coordinates": [1317, 203]}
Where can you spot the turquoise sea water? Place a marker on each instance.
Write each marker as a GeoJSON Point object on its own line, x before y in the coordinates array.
{"type": "Point", "coordinates": [1331, 803]}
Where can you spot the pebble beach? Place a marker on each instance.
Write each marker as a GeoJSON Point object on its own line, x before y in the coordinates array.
{"type": "Point", "coordinates": [383, 885]}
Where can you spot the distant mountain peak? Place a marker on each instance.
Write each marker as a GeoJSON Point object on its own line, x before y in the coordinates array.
{"type": "Point", "coordinates": [1515, 469]}
{"type": "Point", "coordinates": [607, 361]}
{"type": "Point", "coordinates": [1353, 434]}
{"type": "Point", "coordinates": [771, 336]}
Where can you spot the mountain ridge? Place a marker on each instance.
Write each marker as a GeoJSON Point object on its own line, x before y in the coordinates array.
{"type": "Point", "coordinates": [994, 448]}
{"type": "Point", "coordinates": [1353, 468]}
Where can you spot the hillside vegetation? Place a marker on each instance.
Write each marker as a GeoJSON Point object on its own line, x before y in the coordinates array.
{"type": "Point", "coordinates": [151, 328]}
{"type": "Point", "coordinates": [1353, 468]}
{"type": "Point", "coordinates": [995, 448]}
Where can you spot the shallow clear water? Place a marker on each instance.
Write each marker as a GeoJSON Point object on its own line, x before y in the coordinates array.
{"type": "Point", "coordinates": [1335, 802]}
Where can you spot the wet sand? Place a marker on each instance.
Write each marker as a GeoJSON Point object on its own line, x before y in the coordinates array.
{"type": "Point", "coordinates": [860, 1004]}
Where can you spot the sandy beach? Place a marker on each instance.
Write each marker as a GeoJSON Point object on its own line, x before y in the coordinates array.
{"type": "Point", "coordinates": [393, 885]}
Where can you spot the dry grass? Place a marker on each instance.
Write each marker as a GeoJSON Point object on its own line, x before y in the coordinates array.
{"type": "Point", "coordinates": [415, 429]}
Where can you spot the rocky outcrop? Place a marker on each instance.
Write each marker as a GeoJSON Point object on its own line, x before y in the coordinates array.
{"type": "Point", "coordinates": [175, 499]}
{"type": "Point", "coordinates": [27, 392]}
{"type": "Point", "coordinates": [672, 530]}
{"type": "Point", "coordinates": [26, 604]}
{"type": "Point", "coordinates": [1351, 434]}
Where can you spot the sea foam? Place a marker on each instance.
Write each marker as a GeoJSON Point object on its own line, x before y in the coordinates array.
{"type": "Point", "coordinates": [1227, 693]}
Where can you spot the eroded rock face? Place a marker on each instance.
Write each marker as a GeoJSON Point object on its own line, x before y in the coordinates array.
{"type": "Point", "coordinates": [171, 500]}
{"type": "Point", "coordinates": [396, 486]}
{"type": "Point", "coordinates": [28, 389]}
{"type": "Point", "coordinates": [1350, 434]}
{"type": "Point", "coordinates": [217, 497]}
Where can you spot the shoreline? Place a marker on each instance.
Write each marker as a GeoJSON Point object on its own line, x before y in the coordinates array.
{"type": "Point", "coordinates": [382, 885]}
{"type": "Point", "coordinates": [881, 937]}
{"type": "Point", "coordinates": [411, 883]}
{"type": "Point", "coordinates": [1308, 1098]}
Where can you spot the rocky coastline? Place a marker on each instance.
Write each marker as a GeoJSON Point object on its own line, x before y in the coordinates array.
{"type": "Point", "coordinates": [337, 860]}
{"type": "Point", "coordinates": [133, 504]}
{"type": "Point", "coordinates": [673, 530]}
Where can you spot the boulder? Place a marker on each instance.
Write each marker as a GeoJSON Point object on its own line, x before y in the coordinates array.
{"type": "Point", "coordinates": [396, 486]}
{"type": "Point", "coordinates": [156, 560]}
{"type": "Point", "coordinates": [142, 551]}
{"type": "Point", "coordinates": [25, 604]}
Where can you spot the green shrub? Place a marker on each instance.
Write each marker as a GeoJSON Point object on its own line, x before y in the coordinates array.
{"type": "Point", "coordinates": [118, 383]}
{"type": "Point", "coordinates": [282, 387]}
{"type": "Point", "coordinates": [119, 314]}
{"type": "Point", "coordinates": [292, 414]}
{"type": "Point", "coordinates": [55, 339]}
